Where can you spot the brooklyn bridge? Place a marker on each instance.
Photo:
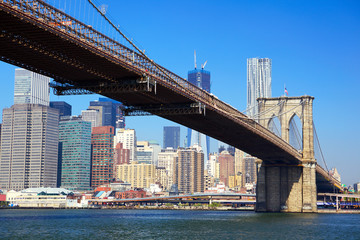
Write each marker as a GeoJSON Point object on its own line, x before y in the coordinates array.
{"type": "Point", "coordinates": [81, 59]}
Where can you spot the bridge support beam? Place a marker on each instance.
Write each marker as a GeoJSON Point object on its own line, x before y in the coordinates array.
{"type": "Point", "coordinates": [286, 188]}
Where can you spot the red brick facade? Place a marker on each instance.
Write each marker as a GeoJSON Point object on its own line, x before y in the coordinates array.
{"type": "Point", "coordinates": [130, 194]}
{"type": "Point", "coordinates": [102, 141]}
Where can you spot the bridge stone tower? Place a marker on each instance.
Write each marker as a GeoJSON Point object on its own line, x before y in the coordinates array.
{"type": "Point", "coordinates": [288, 187]}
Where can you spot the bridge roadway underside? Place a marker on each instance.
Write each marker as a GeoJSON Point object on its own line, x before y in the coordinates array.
{"type": "Point", "coordinates": [29, 43]}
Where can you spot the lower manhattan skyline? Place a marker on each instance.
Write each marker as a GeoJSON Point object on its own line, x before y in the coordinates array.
{"type": "Point", "coordinates": [313, 46]}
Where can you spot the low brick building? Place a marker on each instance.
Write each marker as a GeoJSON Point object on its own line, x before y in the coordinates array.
{"type": "Point", "coordinates": [130, 194]}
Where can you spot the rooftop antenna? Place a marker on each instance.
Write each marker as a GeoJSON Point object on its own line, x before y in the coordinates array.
{"type": "Point", "coordinates": [203, 65]}
{"type": "Point", "coordinates": [195, 58]}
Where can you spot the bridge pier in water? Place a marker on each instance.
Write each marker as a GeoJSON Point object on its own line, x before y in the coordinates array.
{"type": "Point", "coordinates": [288, 187]}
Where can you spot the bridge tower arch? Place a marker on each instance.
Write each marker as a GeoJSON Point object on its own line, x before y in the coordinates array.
{"type": "Point", "coordinates": [288, 188]}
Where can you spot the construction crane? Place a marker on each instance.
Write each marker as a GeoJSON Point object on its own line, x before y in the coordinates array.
{"type": "Point", "coordinates": [203, 65]}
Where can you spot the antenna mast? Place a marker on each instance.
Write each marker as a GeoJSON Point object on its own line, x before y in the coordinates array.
{"type": "Point", "coordinates": [195, 58]}
{"type": "Point", "coordinates": [203, 65]}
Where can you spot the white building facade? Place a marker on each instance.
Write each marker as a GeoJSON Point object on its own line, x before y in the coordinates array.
{"type": "Point", "coordinates": [166, 160]}
{"type": "Point", "coordinates": [31, 88]}
{"type": "Point", "coordinates": [128, 138]}
{"type": "Point", "coordinates": [258, 83]}
{"type": "Point", "coordinates": [93, 116]}
{"type": "Point", "coordinates": [29, 147]}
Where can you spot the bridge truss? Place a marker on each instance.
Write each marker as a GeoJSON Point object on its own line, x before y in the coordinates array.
{"type": "Point", "coordinates": [37, 36]}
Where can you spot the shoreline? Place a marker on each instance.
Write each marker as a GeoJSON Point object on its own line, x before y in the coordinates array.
{"type": "Point", "coordinates": [320, 211]}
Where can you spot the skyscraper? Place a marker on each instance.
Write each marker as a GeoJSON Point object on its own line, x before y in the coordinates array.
{"type": "Point", "coordinates": [75, 139]}
{"type": "Point", "coordinates": [227, 166]}
{"type": "Point", "coordinates": [166, 160]}
{"type": "Point", "coordinates": [121, 155]}
{"type": "Point", "coordinates": [140, 175]}
{"type": "Point", "coordinates": [64, 107]}
{"type": "Point", "coordinates": [102, 141]}
{"type": "Point", "coordinates": [201, 79]}
{"type": "Point", "coordinates": [93, 116]}
{"type": "Point", "coordinates": [147, 152]}
{"type": "Point", "coordinates": [29, 147]}
{"type": "Point", "coordinates": [128, 138]}
{"type": "Point", "coordinates": [189, 170]}
{"type": "Point", "coordinates": [120, 117]}
{"type": "Point", "coordinates": [171, 137]}
{"type": "Point", "coordinates": [111, 112]}
{"type": "Point", "coordinates": [258, 83]}
{"type": "Point", "coordinates": [31, 87]}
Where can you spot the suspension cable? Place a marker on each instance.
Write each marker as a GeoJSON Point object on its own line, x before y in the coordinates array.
{"type": "Point", "coordinates": [297, 133]}
{"type": "Point", "coordinates": [282, 113]}
{"type": "Point", "coordinates": [322, 155]}
{"type": "Point", "coordinates": [132, 44]}
{"type": "Point", "coordinates": [275, 128]}
{"type": "Point", "coordinates": [267, 110]}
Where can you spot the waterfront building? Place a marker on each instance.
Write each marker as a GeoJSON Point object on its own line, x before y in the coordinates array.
{"type": "Point", "coordinates": [139, 175]}
{"type": "Point", "coordinates": [93, 116]}
{"type": "Point", "coordinates": [29, 147]}
{"type": "Point", "coordinates": [63, 107]}
{"type": "Point", "coordinates": [258, 83]}
{"type": "Point", "coordinates": [130, 194]}
{"type": "Point", "coordinates": [128, 138]}
{"type": "Point", "coordinates": [166, 160]}
{"type": "Point", "coordinates": [31, 87]}
{"type": "Point", "coordinates": [227, 166]}
{"type": "Point", "coordinates": [75, 142]}
{"type": "Point", "coordinates": [171, 137]}
{"type": "Point", "coordinates": [189, 170]}
{"type": "Point", "coordinates": [102, 141]}
{"type": "Point", "coordinates": [38, 197]}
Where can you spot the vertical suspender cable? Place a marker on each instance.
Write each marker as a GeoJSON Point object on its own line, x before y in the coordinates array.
{"type": "Point", "coordinates": [317, 139]}
{"type": "Point", "coordinates": [133, 45]}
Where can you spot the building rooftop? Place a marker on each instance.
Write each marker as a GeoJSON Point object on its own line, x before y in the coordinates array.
{"type": "Point", "coordinates": [47, 191]}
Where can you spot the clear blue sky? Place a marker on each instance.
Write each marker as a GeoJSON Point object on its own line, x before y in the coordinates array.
{"type": "Point", "coordinates": [314, 47]}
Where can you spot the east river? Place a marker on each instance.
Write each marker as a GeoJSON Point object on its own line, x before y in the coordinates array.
{"type": "Point", "coordinates": [174, 224]}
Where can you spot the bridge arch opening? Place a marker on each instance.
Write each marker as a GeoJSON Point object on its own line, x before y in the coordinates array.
{"type": "Point", "coordinates": [274, 125]}
{"type": "Point", "coordinates": [295, 132]}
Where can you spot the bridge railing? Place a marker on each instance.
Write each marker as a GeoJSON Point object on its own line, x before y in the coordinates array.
{"type": "Point", "coordinates": [328, 177]}
{"type": "Point", "coordinates": [130, 59]}
{"type": "Point", "coordinates": [86, 33]}
{"type": "Point", "coordinates": [66, 23]}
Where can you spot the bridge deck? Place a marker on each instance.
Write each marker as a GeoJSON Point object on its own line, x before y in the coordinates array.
{"type": "Point", "coordinates": [30, 39]}
{"type": "Point", "coordinates": [33, 36]}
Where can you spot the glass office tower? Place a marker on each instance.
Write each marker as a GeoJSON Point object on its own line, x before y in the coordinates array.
{"type": "Point", "coordinates": [29, 147]}
{"type": "Point", "coordinates": [171, 137]}
{"type": "Point", "coordinates": [258, 83]}
{"type": "Point", "coordinates": [75, 142]}
{"type": "Point", "coordinates": [31, 87]}
{"type": "Point", "coordinates": [201, 79]}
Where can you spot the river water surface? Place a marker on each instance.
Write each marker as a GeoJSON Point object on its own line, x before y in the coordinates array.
{"type": "Point", "coordinates": [174, 224]}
